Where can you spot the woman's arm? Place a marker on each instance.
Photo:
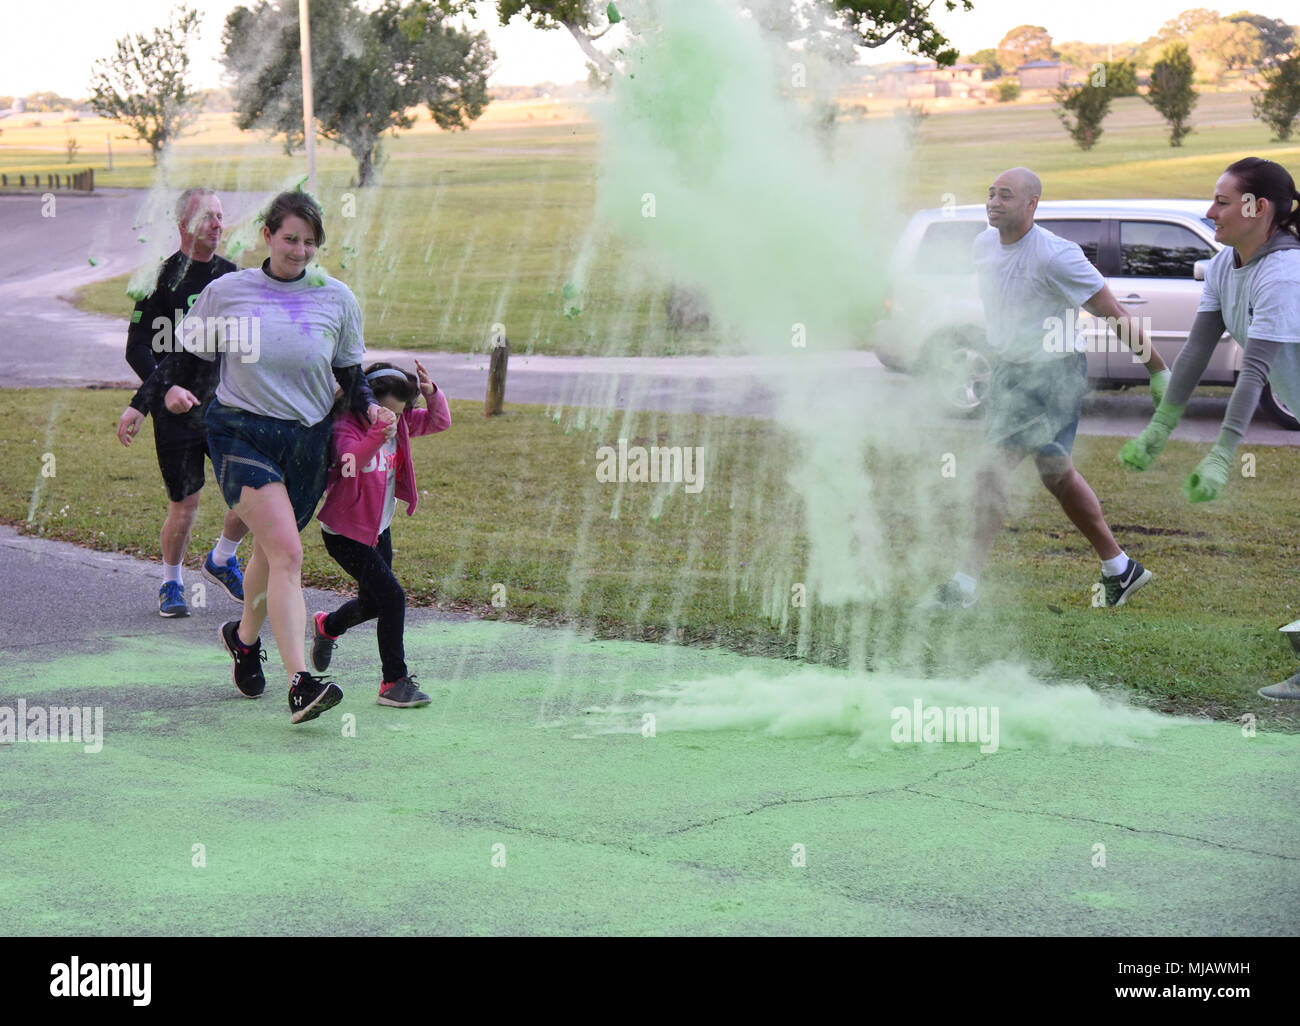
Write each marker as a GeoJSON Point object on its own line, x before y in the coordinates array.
{"type": "Point", "coordinates": [1194, 357]}
{"type": "Point", "coordinates": [357, 396]}
{"type": "Point", "coordinates": [1211, 476]}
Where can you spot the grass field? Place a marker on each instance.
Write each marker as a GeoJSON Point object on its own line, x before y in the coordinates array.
{"type": "Point", "coordinates": [481, 227]}
{"type": "Point", "coordinates": [486, 226]}
{"type": "Point", "coordinates": [513, 501]}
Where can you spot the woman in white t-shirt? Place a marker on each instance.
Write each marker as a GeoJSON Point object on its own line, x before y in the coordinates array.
{"type": "Point", "coordinates": [1252, 290]}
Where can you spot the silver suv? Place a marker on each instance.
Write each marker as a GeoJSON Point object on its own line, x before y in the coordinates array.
{"type": "Point", "coordinates": [1151, 253]}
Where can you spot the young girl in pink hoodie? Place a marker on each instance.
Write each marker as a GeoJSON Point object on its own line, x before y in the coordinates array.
{"type": "Point", "coordinates": [371, 470]}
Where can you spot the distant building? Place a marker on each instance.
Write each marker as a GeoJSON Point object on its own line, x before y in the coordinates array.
{"type": "Point", "coordinates": [19, 106]}
{"type": "Point", "coordinates": [926, 80]}
{"type": "Point", "coordinates": [1043, 74]}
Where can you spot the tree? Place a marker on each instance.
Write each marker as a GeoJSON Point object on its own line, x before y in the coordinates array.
{"type": "Point", "coordinates": [1171, 91]}
{"type": "Point", "coordinates": [1223, 45]}
{"type": "Point", "coordinates": [1178, 28]}
{"type": "Point", "coordinates": [1089, 104]}
{"type": "Point", "coordinates": [988, 60]}
{"type": "Point", "coordinates": [1023, 44]}
{"type": "Point", "coordinates": [1276, 37]}
{"type": "Point", "coordinates": [1278, 104]}
{"type": "Point", "coordinates": [380, 64]}
{"type": "Point", "coordinates": [143, 85]}
{"type": "Point", "coordinates": [872, 22]}
{"type": "Point", "coordinates": [1120, 77]}
{"type": "Point", "coordinates": [48, 101]}
{"type": "Point", "coordinates": [876, 22]}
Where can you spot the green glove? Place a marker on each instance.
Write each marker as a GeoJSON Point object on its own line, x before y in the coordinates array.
{"type": "Point", "coordinates": [1139, 453]}
{"type": "Point", "coordinates": [1210, 477]}
{"type": "Point", "coordinates": [1159, 382]}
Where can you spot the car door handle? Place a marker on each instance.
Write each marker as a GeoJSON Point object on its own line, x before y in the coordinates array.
{"type": "Point", "coordinates": [1134, 300]}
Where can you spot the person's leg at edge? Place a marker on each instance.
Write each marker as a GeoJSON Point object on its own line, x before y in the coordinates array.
{"type": "Point", "coordinates": [233, 531]}
{"type": "Point", "coordinates": [273, 578]}
{"type": "Point", "coordinates": [379, 597]}
{"type": "Point", "coordinates": [990, 508]}
{"type": "Point", "coordinates": [175, 536]}
{"type": "Point", "coordinates": [1080, 502]}
{"type": "Point", "coordinates": [390, 631]}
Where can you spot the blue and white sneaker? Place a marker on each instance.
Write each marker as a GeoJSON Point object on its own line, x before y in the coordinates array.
{"type": "Point", "coordinates": [171, 599]}
{"type": "Point", "coordinates": [228, 578]}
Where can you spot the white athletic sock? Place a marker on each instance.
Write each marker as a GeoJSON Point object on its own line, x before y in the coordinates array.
{"type": "Point", "coordinates": [965, 582]}
{"type": "Point", "coordinates": [1114, 566]}
{"type": "Point", "coordinates": [172, 573]}
{"type": "Point", "coordinates": [223, 550]}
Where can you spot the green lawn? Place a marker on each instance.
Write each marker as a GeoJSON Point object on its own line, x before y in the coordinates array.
{"type": "Point", "coordinates": [483, 227]}
{"type": "Point", "coordinates": [514, 501]}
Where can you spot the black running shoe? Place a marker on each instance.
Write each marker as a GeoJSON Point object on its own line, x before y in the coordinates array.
{"type": "Point", "coordinates": [1120, 587]}
{"type": "Point", "coordinates": [322, 645]}
{"type": "Point", "coordinates": [402, 694]}
{"type": "Point", "coordinates": [248, 661]}
{"type": "Point", "coordinates": [310, 696]}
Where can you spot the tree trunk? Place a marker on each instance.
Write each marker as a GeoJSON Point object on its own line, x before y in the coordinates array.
{"type": "Point", "coordinates": [365, 164]}
{"type": "Point", "coordinates": [584, 41]}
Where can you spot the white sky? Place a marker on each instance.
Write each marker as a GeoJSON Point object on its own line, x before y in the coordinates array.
{"type": "Point", "coordinates": [50, 44]}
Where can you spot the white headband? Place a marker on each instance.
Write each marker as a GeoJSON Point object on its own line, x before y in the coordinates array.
{"type": "Point", "coordinates": [386, 372]}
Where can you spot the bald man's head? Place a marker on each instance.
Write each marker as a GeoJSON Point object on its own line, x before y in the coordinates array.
{"type": "Point", "coordinates": [1013, 198]}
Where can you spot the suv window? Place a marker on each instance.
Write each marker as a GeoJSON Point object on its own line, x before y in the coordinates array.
{"type": "Point", "coordinates": [1087, 234]}
{"type": "Point", "coordinates": [1156, 249]}
{"type": "Point", "coordinates": [946, 247]}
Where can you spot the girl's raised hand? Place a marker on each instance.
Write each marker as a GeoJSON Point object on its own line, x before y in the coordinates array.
{"type": "Point", "coordinates": [426, 383]}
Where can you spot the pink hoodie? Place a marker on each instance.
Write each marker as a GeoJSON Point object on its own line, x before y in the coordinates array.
{"type": "Point", "coordinates": [354, 502]}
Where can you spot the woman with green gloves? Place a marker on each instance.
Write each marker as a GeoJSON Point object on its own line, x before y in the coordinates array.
{"type": "Point", "coordinates": [1252, 290]}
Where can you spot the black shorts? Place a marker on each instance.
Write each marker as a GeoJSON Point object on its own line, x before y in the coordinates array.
{"type": "Point", "coordinates": [180, 449]}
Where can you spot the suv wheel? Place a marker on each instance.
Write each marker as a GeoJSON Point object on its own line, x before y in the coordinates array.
{"type": "Point", "coordinates": [959, 366]}
{"type": "Point", "coordinates": [1277, 410]}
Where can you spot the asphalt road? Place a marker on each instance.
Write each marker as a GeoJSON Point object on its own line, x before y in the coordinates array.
{"type": "Point", "coordinates": [45, 342]}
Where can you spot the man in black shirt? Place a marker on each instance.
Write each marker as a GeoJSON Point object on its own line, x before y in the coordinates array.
{"type": "Point", "coordinates": [180, 439]}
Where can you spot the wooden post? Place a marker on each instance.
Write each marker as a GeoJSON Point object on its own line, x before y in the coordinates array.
{"type": "Point", "coordinates": [496, 389]}
{"type": "Point", "coordinates": [90, 180]}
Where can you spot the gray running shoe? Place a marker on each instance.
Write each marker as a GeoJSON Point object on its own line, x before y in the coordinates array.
{"type": "Point", "coordinates": [950, 595]}
{"type": "Point", "coordinates": [1288, 689]}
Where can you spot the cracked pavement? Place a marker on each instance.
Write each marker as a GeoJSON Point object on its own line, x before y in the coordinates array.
{"type": "Point", "coordinates": [509, 806]}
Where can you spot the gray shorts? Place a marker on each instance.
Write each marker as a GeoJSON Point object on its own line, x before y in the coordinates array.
{"type": "Point", "coordinates": [1035, 406]}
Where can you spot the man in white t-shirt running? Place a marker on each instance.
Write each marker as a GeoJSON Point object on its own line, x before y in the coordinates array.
{"type": "Point", "coordinates": [1031, 282]}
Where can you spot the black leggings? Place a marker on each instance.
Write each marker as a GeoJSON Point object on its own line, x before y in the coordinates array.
{"type": "Point", "coordinates": [378, 595]}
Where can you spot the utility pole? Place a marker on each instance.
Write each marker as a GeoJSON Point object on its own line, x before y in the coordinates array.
{"type": "Point", "coordinates": [308, 129]}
